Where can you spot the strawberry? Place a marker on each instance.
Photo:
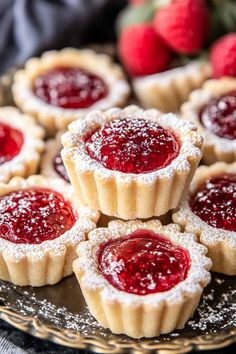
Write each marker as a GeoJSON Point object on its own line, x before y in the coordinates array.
{"type": "Point", "coordinates": [223, 56]}
{"type": "Point", "coordinates": [142, 51]}
{"type": "Point", "coordinates": [184, 25]}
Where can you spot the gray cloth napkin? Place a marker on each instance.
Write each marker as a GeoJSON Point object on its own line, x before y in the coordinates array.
{"type": "Point", "coordinates": [29, 27]}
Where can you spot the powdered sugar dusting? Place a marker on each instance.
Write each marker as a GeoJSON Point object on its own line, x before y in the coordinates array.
{"type": "Point", "coordinates": [216, 308]}
{"type": "Point", "coordinates": [209, 234]}
{"type": "Point", "coordinates": [198, 275]}
{"type": "Point", "coordinates": [184, 216]}
{"type": "Point", "coordinates": [214, 202]}
{"type": "Point", "coordinates": [34, 215]}
{"type": "Point", "coordinates": [143, 263]}
{"type": "Point", "coordinates": [70, 87]}
{"type": "Point", "coordinates": [28, 144]}
{"type": "Point", "coordinates": [83, 224]}
{"type": "Point", "coordinates": [132, 146]}
{"type": "Point", "coordinates": [191, 109]}
{"type": "Point", "coordinates": [99, 64]}
{"type": "Point", "coordinates": [74, 146]}
{"type": "Point", "coordinates": [63, 306]}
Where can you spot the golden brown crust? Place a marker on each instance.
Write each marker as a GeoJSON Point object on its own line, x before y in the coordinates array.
{"type": "Point", "coordinates": [215, 148]}
{"type": "Point", "coordinates": [168, 90]}
{"type": "Point", "coordinates": [55, 118]}
{"type": "Point", "coordinates": [221, 244]}
{"type": "Point", "coordinates": [50, 261]}
{"type": "Point", "coordinates": [130, 196]}
{"type": "Point", "coordinates": [146, 315]}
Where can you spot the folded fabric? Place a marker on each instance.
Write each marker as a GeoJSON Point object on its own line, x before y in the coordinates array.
{"type": "Point", "coordinates": [29, 27]}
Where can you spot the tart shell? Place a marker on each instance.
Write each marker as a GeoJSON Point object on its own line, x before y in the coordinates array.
{"type": "Point", "coordinates": [50, 261]}
{"type": "Point", "coordinates": [146, 315]}
{"type": "Point", "coordinates": [27, 161]}
{"type": "Point", "coordinates": [215, 148]}
{"type": "Point", "coordinates": [54, 118]}
{"type": "Point", "coordinates": [168, 90]}
{"type": "Point", "coordinates": [221, 244]}
{"type": "Point", "coordinates": [52, 147]}
{"type": "Point", "coordinates": [130, 196]}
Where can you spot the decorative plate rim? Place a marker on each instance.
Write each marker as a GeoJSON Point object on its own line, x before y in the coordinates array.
{"type": "Point", "coordinates": [74, 339]}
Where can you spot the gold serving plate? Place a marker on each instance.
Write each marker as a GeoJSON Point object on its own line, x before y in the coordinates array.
{"type": "Point", "coordinates": [58, 313]}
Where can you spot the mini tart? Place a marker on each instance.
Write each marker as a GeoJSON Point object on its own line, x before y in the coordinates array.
{"type": "Point", "coordinates": [129, 195]}
{"type": "Point", "coordinates": [147, 306]}
{"type": "Point", "coordinates": [218, 144]}
{"type": "Point", "coordinates": [34, 87]}
{"type": "Point", "coordinates": [52, 165]}
{"type": "Point", "coordinates": [21, 144]}
{"type": "Point", "coordinates": [195, 214]}
{"type": "Point", "coordinates": [30, 253]}
{"type": "Point", "coordinates": [168, 90]}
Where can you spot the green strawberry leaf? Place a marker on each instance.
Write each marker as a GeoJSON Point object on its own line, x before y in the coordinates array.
{"type": "Point", "coordinates": [223, 18]}
{"type": "Point", "coordinates": [135, 14]}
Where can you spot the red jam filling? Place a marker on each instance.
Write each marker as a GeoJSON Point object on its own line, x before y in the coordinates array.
{"type": "Point", "coordinates": [219, 116]}
{"type": "Point", "coordinates": [60, 168]}
{"type": "Point", "coordinates": [11, 141]}
{"type": "Point", "coordinates": [72, 88]}
{"type": "Point", "coordinates": [143, 263]}
{"type": "Point", "coordinates": [215, 202]}
{"type": "Point", "coordinates": [132, 146]}
{"type": "Point", "coordinates": [32, 216]}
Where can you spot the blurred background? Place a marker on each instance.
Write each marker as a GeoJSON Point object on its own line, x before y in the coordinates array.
{"type": "Point", "coordinates": [29, 27]}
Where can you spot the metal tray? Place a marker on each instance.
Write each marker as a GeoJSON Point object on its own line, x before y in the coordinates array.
{"type": "Point", "coordinates": [58, 313]}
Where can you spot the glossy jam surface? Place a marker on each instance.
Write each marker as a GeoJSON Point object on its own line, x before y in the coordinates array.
{"type": "Point", "coordinates": [31, 216]}
{"type": "Point", "coordinates": [71, 88]}
{"type": "Point", "coordinates": [143, 263]}
{"type": "Point", "coordinates": [60, 168]}
{"type": "Point", "coordinates": [219, 116]}
{"type": "Point", "coordinates": [11, 141]}
{"type": "Point", "coordinates": [215, 202]}
{"type": "Point", "coordinates": [132, 146]}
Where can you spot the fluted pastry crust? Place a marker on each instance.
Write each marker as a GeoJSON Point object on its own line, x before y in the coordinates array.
{"type": "Point", "coordinates": [221, 244]}
{"type": "Point", "coordinates": [55, 118]}
{"type": "Point", "coordinates": [141, 315]}
{"type": "Point", "coordinates": [127, 195]}
{"type": "Point", "coordinates": [26, 162]}
{"type": "Point", "coordinates": [50, 261]}
{"type": "Point", "coordinates": [215, 148]}
{"type": "Point", "coordinates": [168, 90]}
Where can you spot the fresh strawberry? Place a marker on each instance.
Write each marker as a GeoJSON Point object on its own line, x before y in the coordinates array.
{"type": "Point", "coordinates": [223, 56]}
{"type": "Point", "coordinates": [184, 25]}
{"type": "Point", "coordinates": [142, 51]}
